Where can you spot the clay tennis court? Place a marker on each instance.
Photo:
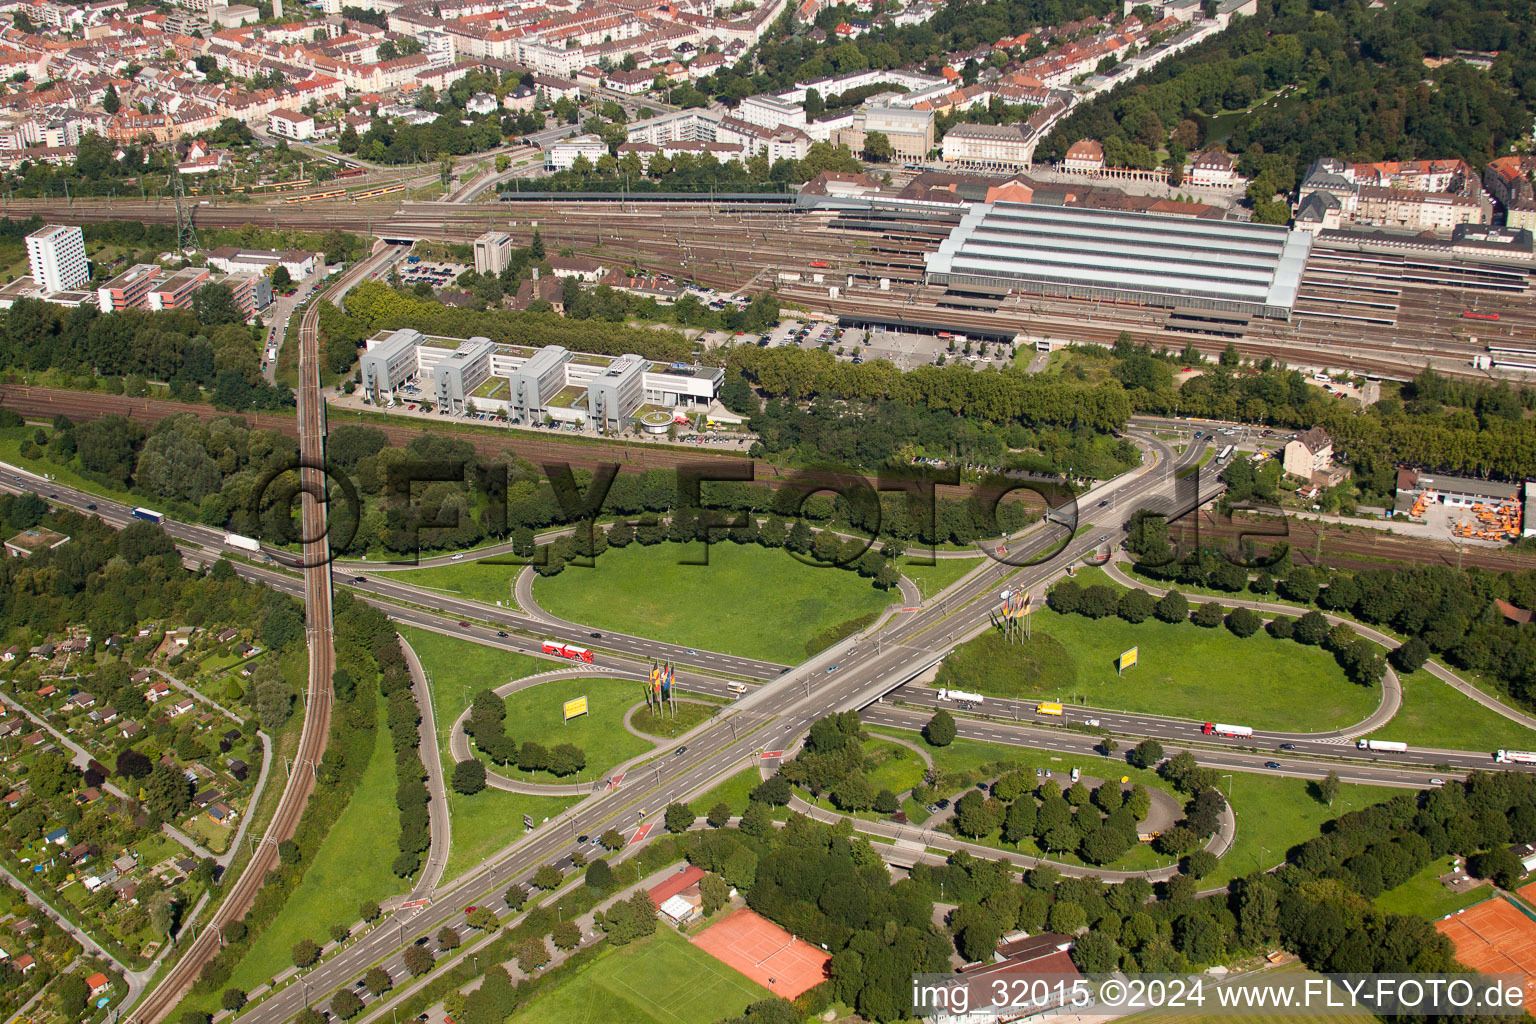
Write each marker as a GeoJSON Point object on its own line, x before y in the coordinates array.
{"type": "Point", "coordinates": [764, 952]}
{"type": "Point", "coordinates": [1495, 937]}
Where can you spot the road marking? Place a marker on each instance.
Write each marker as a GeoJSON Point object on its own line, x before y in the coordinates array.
{"type": "Point", "coordinates": [613, 783]}
{"type": "Point", "coordinates": [769, 755]}
{"type": "Point", "coordinates": [640, 833]}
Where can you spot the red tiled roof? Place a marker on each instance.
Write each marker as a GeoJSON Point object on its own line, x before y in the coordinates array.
{"type": "Point", "coordinates": [676, 884]}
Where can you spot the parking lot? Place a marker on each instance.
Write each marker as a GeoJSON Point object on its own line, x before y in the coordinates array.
{"type": "Point", "coordinates": [438, 275]}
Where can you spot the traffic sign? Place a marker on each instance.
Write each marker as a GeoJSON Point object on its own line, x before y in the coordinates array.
{"type": "Point", "coordinates": [528, 821]}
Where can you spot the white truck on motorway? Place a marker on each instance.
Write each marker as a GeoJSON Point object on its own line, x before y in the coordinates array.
{"type": "Point", "coordinates": [1515, 757]}
{"type": "Point", "coordinates": [961, 695]}
{"type": "Point", "coordinates": [234, 540]}
{"type": "Point", "coordinates": [1382, 745]}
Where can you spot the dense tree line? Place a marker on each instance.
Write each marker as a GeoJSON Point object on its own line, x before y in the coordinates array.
{"type": "Point", "coordinates": [121, 351]}
{"type": "Point", "coordinates": [1474, 428]}
{"type": "Point", "coordinates": [403, 716]}
{"type": "Point", "coordinates": [1353, 86]}
{"type": "Point", "coordinates": [487, 728]}
{"type": "Point", "coordinates": [373, 306]}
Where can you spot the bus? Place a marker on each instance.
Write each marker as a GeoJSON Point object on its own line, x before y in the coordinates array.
{"type": "Point", "coordinates": [1048, 708]}
{"type": "Point", "coordinates": [1226, 453]}
{"type": "Point", "coordinates": [147, 514]}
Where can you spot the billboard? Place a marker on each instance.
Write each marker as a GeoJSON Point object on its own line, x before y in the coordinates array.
{"type": "Point", "coordinates": [573, 708]}
{"type": "Point", "coordinates": [1128, 658]}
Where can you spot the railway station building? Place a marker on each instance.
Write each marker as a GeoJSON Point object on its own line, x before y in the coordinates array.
{"type": "Point", "coordinates": [1136, 258]}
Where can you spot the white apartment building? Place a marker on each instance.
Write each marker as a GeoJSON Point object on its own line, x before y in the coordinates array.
{"type": "Point", "coordinates": [563, 154]}
{"type": "Point", "coordinates": [56, 254]}
{"type": "Point", "coordinates": [771, 112]}
{"type": "Point", "coordinates": [493, 250]}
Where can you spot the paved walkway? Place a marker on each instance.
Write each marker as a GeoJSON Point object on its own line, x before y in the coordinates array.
{"type": "Point", "coordinates": [1394, 697]}
{"type": "Point", "coordinates": [438, 822]}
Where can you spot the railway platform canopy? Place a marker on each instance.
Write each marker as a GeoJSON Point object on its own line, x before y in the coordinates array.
{"type": "Point", "coordinates": [1140, 258]}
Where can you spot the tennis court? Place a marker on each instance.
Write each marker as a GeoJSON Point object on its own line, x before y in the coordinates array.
{"type": "Point", "coordinates": [764, 952]}
{"type": "Point", "coordinates": [1495, 937]}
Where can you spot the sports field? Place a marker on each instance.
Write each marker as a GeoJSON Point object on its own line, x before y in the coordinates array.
{"type": "Point", "coordinates": [1494, 937]}
{"type": "Point", "coordinates": [662, 980]}
{"type": "Point", "coordinates": [764, 952]}
{"type": "Point", "coordinates": [748, 601]}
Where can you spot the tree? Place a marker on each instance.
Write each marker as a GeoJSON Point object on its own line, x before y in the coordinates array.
{"type": "Point", "coordinates": [282, 280]}
{"type": "Point", "coordinates": [877, 147]}
{"type": "Point", "coordinates": [1243, 622]}
{"type": "Point", "coordinates": [600, 875]}
{"type": "Point", "coordinates": [611, 839]}
{"type": "Point", "coordinates": [305, 952]}
{"type": "Point", "coordinates": [515, 896]}
{"type": "Point", "coordinates": [940, 730]}
{"type": "Point", "coordinates": [1499, 864]}
{"type": "Point", "coordinates": [448, 938]}
{"type": "Point", "coordinates": [566, 935]}
{"type": "Point", "coordinates": [719, 815]}
{"type": "Point", "coordinates": [468, 777]}
{"type": "Point", "coordinates": [1146, 753]}
{"type": "Point", "coordinates": [378, 981]}
{"type": "Point", "coordinates": [214, 304]}
{"type": "Point", "coordinates": [1311, 629]}
{"type": "Point", "coordinates": [532, 954]}
{"type": "Point", "coordinates": [548, 877]}
{"type": "Point", "coordinates": [72, 993]}
{"type": "Point", "coordinates": [1328, 789]}
{"type": "Point", "coordinates": [110, 101]}
{"type": "Point", "coordinates": [418, 960]}
{"type": "Point", "coordinates": [536, 246]}
{"type": "Point", "coordinates": [678, 818]}
{"type": "Point", "coordinates": [1172, 607]}
{"type": "Point", "coordinates": [346, 1004]}
{"type": "Point", "coordinates": [233, 999]}
{"type": "Point", "coordinates": [1135, 606]}
{"type": "Point", "coordinates": [1209, 615]}
{"type": "Point", "coordinates": [1410, 656]}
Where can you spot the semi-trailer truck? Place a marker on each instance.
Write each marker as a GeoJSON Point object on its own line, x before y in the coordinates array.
{"type": "Point", "coordinates": [559, 649]}
{"type": "Point", "coordinates": [1221, 729]}
{"type": "Point", "coordinates": [961, 695]}
{"type": "Point", "coordinates": [234, 540]}
{"type": "Point", "coordinates": [147, 514]}
{"type": "Point", "coordinates": [1382, 745]}
{"type": "Point", "coordinates": [1514, 757]}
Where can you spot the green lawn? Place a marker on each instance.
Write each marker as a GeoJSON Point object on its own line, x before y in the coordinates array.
{"type": "Point", "coordinates": [662, 980]}
{"type": "Point", "coordinates": [477, 581]}
{"type": "Point", "coordinates": [1424, 896]}
{"type": "Point", "coordinates": [1262, 682]}
{"type": "Point", "coordinates": [352, 866]}
{"type": "Point", "coordinates": [748, 601]}
{"type": "Point", "coordinates": [1434, 714]}
{"type": "Point", "coordinates": [689, 714]}
{"type": "Point", "coordinates": [734, 791]}
{"type": "Point", "coordinates": [489, 820]}
{"type": "Point", "coordinates": [1285, 974]}
{"type": "Point", "coordinates": [535, 714]}
{"type": "Point", "coordinates": [1274, 814]}
{"type": "Point", "coordinates": [931, 579]}
{"type": "Point", "coordinates": [892, 766]}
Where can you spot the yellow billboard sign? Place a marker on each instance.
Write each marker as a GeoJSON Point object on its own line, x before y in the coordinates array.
{"type": "Point", "coordinates": [574, 708]}
{"type": "Point", "coordinates": [1128, 658]}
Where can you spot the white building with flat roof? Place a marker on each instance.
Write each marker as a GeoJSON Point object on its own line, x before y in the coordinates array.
{"type": "Point", "coordinates": [387, 362]}
{"type": "Point", "coordinates": [566, 152]}
{"type": "Point", "coordinates": [56, 254]}
{"type": "Point", "coordinates": [493, 251]}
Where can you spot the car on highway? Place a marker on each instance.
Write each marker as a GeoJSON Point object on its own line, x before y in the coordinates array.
{"type": "Point", "coordinates": [1271, 764]}
{"type": "Point", "coordinates": [463, 625]}
{"type": "Point", "coordinates": [690, 650]}
{"type": "Point", "coordinates": [1103, 503]}
{"type": "Point", "coordinates": [359, 579]}
{"type": "Point", "coordinates": [680, 751]}
{"type": "Point", "coordinates": [597, 636]}
{"type": "Point", "coordinates": [457, 558]}
{"type": "Point", "coordinates": [1287, 746]}
{"type": "Point", "coordinates": [1437, 781]}
{"type": "Point", "coordinates": [831, 669]}
{"type": "Point", "coordinates": [501, 633]}
{"type": "Point", "coordinates": [90, 507]}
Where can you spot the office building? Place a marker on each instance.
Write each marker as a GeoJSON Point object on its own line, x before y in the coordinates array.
{"type": "Point", "coordinates": [388, 361]}
{"type": "Point", "coordinates": [615, 394]}
{"type": "Point", "coordinates": [461, 372]}
{"type": "Point", "coordinates": [493, 250]}
{"type": "Point", "coordinates": [537, 381]}
{"type": "Point", "coordinates": [56, 254]}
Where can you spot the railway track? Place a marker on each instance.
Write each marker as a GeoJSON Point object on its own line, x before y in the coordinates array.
{"type": "Point", "coordinates": [162, 1000]}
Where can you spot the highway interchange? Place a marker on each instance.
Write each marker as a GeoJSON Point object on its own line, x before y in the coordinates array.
{"type": "Point", "coordinates": [866, 672]}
